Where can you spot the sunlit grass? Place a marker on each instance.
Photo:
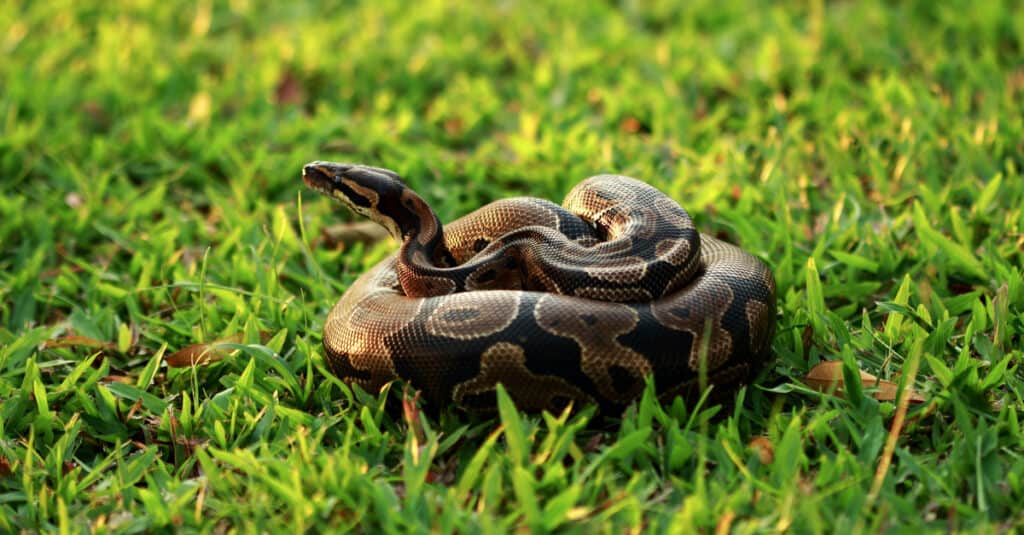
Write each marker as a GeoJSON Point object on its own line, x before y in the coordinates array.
{"type": "Point", "coordinates": [150, 199]}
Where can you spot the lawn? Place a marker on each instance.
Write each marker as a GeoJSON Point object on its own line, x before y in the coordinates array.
{"type": "Point", "coordinates": [150, 199]}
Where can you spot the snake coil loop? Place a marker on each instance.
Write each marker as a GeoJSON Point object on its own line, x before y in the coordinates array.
{"type": "Point", "coordinates": [574, 303]}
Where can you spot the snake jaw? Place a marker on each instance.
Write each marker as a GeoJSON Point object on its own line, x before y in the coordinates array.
{"type": "Point", "coordinates": [319, 179]}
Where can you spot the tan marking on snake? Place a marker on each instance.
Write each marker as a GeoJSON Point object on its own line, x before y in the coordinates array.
{"type": "Point", "coordinates": [464, 316]}
{"type": "Point", "coordinates": [673, 251]}
{"type": "Point", "coordinates": [595, 331]}
{"type": "Point", "coordinates": [505, 363]}
{"type": "Point", "coordinates": [687, 312]}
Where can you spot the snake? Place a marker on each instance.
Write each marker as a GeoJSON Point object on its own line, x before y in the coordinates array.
{"type": "Point", "coordinates": [583, 303]}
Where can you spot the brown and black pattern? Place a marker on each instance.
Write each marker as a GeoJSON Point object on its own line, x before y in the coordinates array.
{"type": "Point", "coordinates": [560, 304]}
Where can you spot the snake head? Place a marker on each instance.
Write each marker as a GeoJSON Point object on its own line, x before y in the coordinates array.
{"type": "Point", "coordinates": [374, 192]}
{"type": "Point", "coordinates": [357, 186]}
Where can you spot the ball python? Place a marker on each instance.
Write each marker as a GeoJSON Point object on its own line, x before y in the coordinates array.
{"type": "Point", "coordinates": [574, 303]}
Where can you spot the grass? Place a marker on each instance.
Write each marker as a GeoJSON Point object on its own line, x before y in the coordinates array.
{"type": "Point", "coordinates": [150, 199]}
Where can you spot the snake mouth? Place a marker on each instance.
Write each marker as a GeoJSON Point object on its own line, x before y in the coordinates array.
{"type": "Point", "coordinates": [320, 176]}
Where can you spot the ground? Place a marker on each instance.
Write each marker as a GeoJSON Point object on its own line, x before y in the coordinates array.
{"type": "Point", "coordinates": [869, 152]}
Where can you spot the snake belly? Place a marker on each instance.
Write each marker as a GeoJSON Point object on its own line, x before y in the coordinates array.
{"type": "Point", "coordinates": [607, 299]}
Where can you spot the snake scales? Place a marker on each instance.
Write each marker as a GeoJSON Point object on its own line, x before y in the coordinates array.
{"type": "Point", "coordinates": [579, 302]}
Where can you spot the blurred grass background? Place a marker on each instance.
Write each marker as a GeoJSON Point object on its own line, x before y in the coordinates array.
{"type": "Point", "coordinates": [150, 198]}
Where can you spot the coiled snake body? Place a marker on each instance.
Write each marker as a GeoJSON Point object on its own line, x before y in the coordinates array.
{"type": "Point", "coordinates": [579, 302]}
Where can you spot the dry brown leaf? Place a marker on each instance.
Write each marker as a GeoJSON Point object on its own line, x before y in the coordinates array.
{"type": "Point", "coordinates": [631, 125]}
{"type": "Point", "coordinates": [95, 112]}
{"type": "Point", "coordinates": [202, 354]}
{"type": "Point", "coordinates": [454, 126]}
{"type": "Point", "coordinates": [288, 90]}
{"type": "Point", "coordinates": [764, 448]}
{"type": "Point", "coordinates": [724, 526]}
{"type": "Point", "coordinates": [828, 377]}
{"type": "Point", "coordinates": [594, 443]}
{"type": "Point", "coordinates": [411, 411]}
{"type": "Point", "coordinates": [78, 341]}
{"type": "Point", "coordinates": [135, 408]}
{"type": "Point", "coordinates": [365, 232]}
{"type": "Point", "coordinates": [117, 378]}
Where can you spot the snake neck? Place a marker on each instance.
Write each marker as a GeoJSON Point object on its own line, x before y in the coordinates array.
{"type": "Point", "coordinates": [423, 254]}
{"type": "Point", "coordinates": [420, 231]}
{"type": "Point", "coordinates": [411, 221]}
{"type": "Point", "coordinates": [380, 195]}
